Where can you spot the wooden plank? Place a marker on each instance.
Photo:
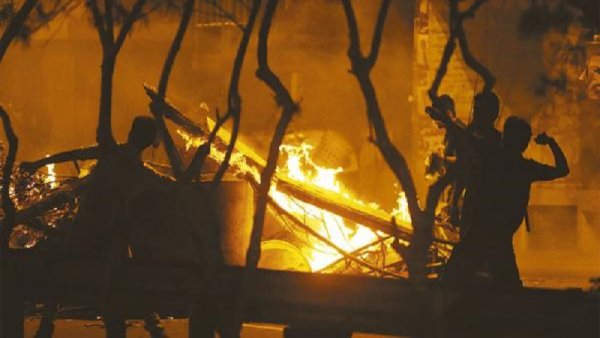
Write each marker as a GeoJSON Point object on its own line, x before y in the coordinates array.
{"type": "Point", "coordinates": [344, 209]}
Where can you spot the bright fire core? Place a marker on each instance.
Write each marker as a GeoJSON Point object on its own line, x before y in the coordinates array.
{"type": "Point", "coordinates": [297, 165]}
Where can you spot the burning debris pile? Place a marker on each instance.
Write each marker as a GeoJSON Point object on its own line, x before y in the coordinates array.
{"type": "Point", "coordinates": [43, 207]}
{"type": "Point", "coordinates": [314, 223]}
{"type": "Point", "coordinates": [321, 225]}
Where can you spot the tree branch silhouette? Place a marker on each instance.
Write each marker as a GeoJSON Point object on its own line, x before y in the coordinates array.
{"type": "Point", "coordinates": [456, 32]}
{"type": "Point", "coordinates": [158, 106]}
{"type": "Point", "coordinates": [15, 25]}
{"type": "Point", "coordinates": [415, 255]}
{"type": "Point", "coordinates": [288, 109]}
{"type": "Point", "coordinates": [228, 15]}
{"type": "Point", "coordinates": [234, 99]}
{"type": "Point", "coordinates": [8, 205]}
{"type": "Point", "coordinates": [470, 60]}
{"type": "Point", "coordinates": [104, 23]}
{"type": "Point", "coordinates": [234, 102]}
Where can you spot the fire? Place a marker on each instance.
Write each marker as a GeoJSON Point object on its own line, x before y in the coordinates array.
{"type": "Point", "coordinates": [190, 141]}
{"type": "Point", "coordinates": [401, 211]}
{"type": "Point", "coordinates": [51, 176]}
{"type": "Point", "coordinates": [300, 167]}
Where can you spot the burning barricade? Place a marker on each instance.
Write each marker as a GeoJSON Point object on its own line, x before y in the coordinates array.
{"type": "Point", "coordinates": [314, 223]}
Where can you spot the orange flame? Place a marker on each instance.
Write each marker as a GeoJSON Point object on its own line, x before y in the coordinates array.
{"type": "Point", "coordinates": [300, 167]}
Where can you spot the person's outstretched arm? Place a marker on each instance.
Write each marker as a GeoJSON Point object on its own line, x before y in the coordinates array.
{"type": "Point", "coordinates": [88, 153]}
{"type": "Point", "coordinates": [561, 167]}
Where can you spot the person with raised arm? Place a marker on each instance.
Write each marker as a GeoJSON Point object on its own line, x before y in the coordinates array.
{"type": "Point", "coordinates": [496, 200]}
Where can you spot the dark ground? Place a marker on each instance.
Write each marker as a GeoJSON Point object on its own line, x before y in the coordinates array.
{"type": "Point", "coordinates": [177, 328]}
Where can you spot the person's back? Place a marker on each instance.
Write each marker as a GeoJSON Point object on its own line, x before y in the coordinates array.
{"type": "Point", "coordinates": [472, 159]}
{"type": "Point", "coordinates": [101, 210]}
{"type": "Point", "coordinates": [516, 173]}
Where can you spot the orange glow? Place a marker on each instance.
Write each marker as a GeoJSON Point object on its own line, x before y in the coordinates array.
{"type": "Point", "coordinates": [300, 167]}
{"type": "Point", "coordinates": [51, 177]}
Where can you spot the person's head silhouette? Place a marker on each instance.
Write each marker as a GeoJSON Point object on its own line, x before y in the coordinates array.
{"type": "Point", "coordinates": [516, 134]}
{"type": "Point", "coordinates": [486, 107]}
{"type": "Point", "coordinates": [445, 103]}
{"type": "Point", "coordinates": [143, 132]}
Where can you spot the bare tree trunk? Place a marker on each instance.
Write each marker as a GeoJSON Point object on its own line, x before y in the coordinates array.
{"type": "Point", "coordinates": [110, 49]}
{"type": "Point", "coordinates": [15, 24]}
{"type": "Point", "coordinates": [7, 203]}
{"type": "Point", "coordinates": [234, 100]}
{"type": "Point", "coordinates": [289, 108]}
{"type": "Point", "coordinates": [470, 60]}
{"type": "Point", "coordinates": [422, 220]}
{"type": "Point", "coordinates": [361, 68]}
{"type": "Point", "coordinates": [157, 108]}
{"type": "Point", "coordinates": [234, 103]}
{"type": "Point", "coordinates": [104, 134]}
{"type": "Point", "coordinates": [11, 303]}
{"type": "Point", "coordinates": [447, 53]}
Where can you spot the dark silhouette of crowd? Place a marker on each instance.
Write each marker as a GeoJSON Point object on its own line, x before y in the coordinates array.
{"type": "Point", "coordinates": [494, 179]}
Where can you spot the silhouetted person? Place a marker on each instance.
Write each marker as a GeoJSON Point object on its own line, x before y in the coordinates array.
{"type": "Point", "coordinates": [502, 188]}
{"type": "Point", "coordinates": [444, 167]}
{"type": "Point", "coordinates": [486, 107]}
{"type": "Point", "coordinates": [101, 225]}
{"type": "Point", "coordinates": [439, 164]}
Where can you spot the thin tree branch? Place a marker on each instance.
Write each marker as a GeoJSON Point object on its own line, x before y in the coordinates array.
{"type": "Point", "coordinates": [289, 107]}
{"type": "Point", "coordinates": [470, 12]}
{"type": "Point", "coordinates": [104, 135]}
{"type": "Point", "coordinates": [234, 100]}
{"type": "Point", "coordinates": [354, 51]}
{"type": "Point", "coordinates": [151, 10]}
{"type": "Point", "coordinates": [108, 20]}
{"type": "Point", "coordinates": [227, 15]}
{"type": "Point", "coordinates": [56, 11]}
{"type": "Point", "coordinates": [110, 49]}
{"type": "Point", "coordinates": [98, 22]}
{"type": "Point", "coordinates": [172, 113]}
{"type": "Point", "coordinates": [448, 51]}
{"type": "Point", "coordinates": [455, 24]}
{"type": "Point", "coordinates": [203, 151]}
{"type": "Point", "coordinates": [415, 254]}
{"type": "Point", "coordinates": [157, 106]}
{"type": "Point", "coordinates": [16, 23]}
{"type": "Point", "coordinates": [378, 32]}
{"type": "Point", "coordinates": [469, 58]}
{"type": "Point", "coordinates": [7, 203]}
{"type": "Point", "coordinates": [136, 10]}
{"type": "Point", "coordinates": [244, 4]}
{"type": "Point", "coordinates": [186, 14]}
{"type": "Point", "coordinates": [282, 95]}
{"type": "Point", "coordinates": [390, 153]}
